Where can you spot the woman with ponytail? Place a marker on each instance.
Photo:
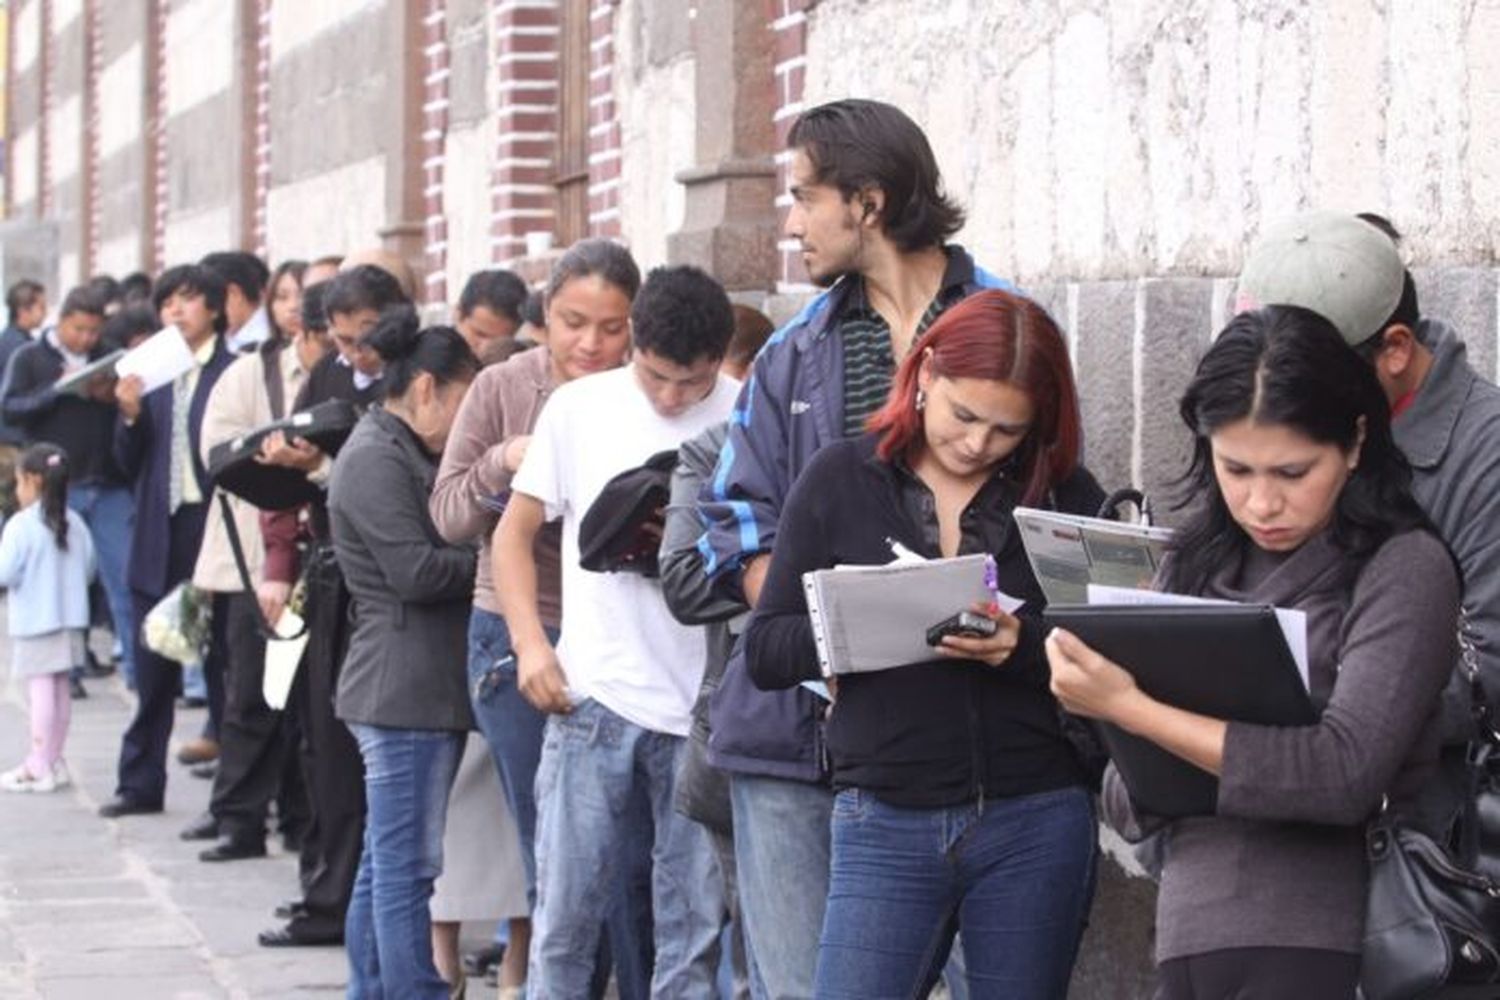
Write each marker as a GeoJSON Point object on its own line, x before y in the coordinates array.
{"type": "Point", "coordinates": [403, 690]}
{"type": "Point", "coordinates": [46, 562]}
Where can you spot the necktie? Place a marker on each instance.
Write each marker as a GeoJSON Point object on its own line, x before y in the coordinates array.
{"type": "Point", "coordinates": [182, 401]}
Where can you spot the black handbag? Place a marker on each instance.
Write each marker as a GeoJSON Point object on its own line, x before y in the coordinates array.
{"type": "Point", "coordinates": [1432, 926]}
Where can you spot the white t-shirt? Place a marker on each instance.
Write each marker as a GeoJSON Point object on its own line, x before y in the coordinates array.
{"type": "Point", "coordinates": [620, 645]}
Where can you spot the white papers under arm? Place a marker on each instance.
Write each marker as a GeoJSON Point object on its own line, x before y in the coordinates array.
{"type": "Point", "coordinates": [159, 361]}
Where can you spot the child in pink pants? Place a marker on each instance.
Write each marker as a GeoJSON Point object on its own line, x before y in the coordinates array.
{"type": "Point", "coordinates": [46, 563]}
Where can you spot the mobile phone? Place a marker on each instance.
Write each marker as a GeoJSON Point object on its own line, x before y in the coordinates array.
{"type": "Point", "coordinates": [969, 624]}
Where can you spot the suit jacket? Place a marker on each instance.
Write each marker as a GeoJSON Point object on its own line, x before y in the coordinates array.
{"type": "Point", "coordinates": [143, 451]}
{"type": "Point", "coordinates": [407, 662]}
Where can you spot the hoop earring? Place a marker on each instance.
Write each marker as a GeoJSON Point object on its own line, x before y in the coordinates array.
{"type": "Point", "coordinates": [921, 400]}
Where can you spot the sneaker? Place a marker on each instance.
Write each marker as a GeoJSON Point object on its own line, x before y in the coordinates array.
{"type": "Point", "coordinates": [61, 776]}
{"type": "Point", "coordinates": [18, 779]}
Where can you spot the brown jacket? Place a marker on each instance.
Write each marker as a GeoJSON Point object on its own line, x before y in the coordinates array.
{"type": "Point", "coordinates": [502, 404]}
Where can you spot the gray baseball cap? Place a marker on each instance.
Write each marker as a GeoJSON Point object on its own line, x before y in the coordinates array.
{"type": "Point", "coordinates": [1332, 263]}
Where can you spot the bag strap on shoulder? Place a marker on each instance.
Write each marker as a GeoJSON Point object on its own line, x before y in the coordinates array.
{"type": "Point", "coordinates": [237, 547]}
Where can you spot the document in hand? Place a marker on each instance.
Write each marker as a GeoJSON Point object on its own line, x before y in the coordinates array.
{"type": "Point", "coordinates": [868, 618]}
{"type": "Point", "coordinates": [1069, 552]}
{"type": "Point", "coordinates": [1226, 661]}
{"type": "Point", "coordinates": [77, 382]}
{"type": "Point", "coordinates": [163, 357]}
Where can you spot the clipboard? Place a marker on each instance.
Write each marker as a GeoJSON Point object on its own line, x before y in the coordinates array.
{"type": "Point", "coordinates": [1226, 661]}
{"type": "Point", "coordinates": [77, 382]}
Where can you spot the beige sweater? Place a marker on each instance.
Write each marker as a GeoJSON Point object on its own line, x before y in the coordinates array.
{"type": "Point", "coordinates": [238, 404]}
{"type": "Point", "coordinates": [502, 404]}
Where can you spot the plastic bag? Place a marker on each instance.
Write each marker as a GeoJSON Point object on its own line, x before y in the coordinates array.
{"type": "Point", "coordinates": [178, 626]}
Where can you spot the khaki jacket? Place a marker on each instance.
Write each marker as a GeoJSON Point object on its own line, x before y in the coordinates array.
{"type": "Point", "coordinates": [237, 405]}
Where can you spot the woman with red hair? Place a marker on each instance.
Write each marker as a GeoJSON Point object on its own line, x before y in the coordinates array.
{"type": "Point", "coordinates": [961, 804]}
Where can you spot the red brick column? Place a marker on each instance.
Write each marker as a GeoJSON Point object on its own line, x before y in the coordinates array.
{"type": "Point", "coordinates": [10, 112]}
{"type": "Point", "coordinates": [91, 213]}
{"type": "Point", "coordinates": [155, 186]}
{"type": "Point", "coordinates": [522, 196]}
{"type": "Point", "coordinates": [789, 28]}
{"type": "Point", "coordinates": [258, 110]}
{"type": "Point", "coordinates": [434, 146]}
{"type": "Point", "coordinates": [44, 114]}
{"type": "Point", "coordinates": [604, 123]}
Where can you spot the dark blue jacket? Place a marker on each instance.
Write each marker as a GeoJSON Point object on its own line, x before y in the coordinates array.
{"type": "Point", "coordinates": [792, 405]}
{"type": "Point", "coordinates": [11, 341]}
{"type": "Point", "coordinates": [143, 451]}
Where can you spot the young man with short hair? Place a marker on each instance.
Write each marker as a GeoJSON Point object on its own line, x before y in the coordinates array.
{"type": "Point", "coordinates": [156, 444]}
{"type": "Point", "coordinates": [620, 684]}
{"type": "Point", "coordinates": [873, 222]}
{"type": "Point", "coordinates": [245, 278]}
{"type": "Point", "coordinates": [489, 309]}
{"type": "Point", "coordinates": [26, 304]}
{"type": "Point", "coordinates": [82, 423]}
{"type": "Point", "coordinates": [1445, 416]}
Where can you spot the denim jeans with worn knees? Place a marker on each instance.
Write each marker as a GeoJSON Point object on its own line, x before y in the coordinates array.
{"type": "Point", "coordinates": [596, 770]}
{"type": "Point", "coordinates": [388, 931]}
{"type": "Point", "coordinates": [1016, 873]}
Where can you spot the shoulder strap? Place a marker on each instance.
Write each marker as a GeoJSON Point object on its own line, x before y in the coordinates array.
{"type": "Point", "coordinates": [270, 361]}
{"type": "Point", "coordinates": [237, 547]}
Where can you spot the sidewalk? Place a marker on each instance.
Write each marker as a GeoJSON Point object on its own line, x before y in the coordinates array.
{"type": "Point", "coordinates": [123, 909]}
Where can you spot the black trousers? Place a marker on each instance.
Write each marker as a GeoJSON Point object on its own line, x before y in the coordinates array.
{"type": "Point", "coordinates": [251, 748]}
{"type": "Point", "coordinates": [1260, 974]}
{"type": "Point", "coordinates": [332, 763]}
{"type": "Point", "coordinates": [142, 774]}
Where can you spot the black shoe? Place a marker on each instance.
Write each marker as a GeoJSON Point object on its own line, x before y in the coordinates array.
{"type": "Point", "coordinates": [76, 690]}
{"type": "Point", "coordinates": [230, 849]}
{"type": "Point", "coordinates": [481, 960]}
{"type": "Point", "coordinates": [208, 771]}
{"type": "Point", "coordinates": [205, 827]}
{"type": "Point", "coordinates": [121, 806]}
{"type": "Point", "coordinates": [290, 910]}
{"type": "Point", "coordinates": [191, 701]}
{"type": "Point", "coordinates": [292, 935]}
{"type": "Point", "coordinates": [93, 667]}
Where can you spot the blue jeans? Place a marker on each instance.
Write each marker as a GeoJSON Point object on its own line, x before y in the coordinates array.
{"type": "Point", "coordinates": [513, 729]}
{"type": "Point", "coordinates": [109, 511]}
{"type": "Point", "coordinates": [781, 862]}
{"type": "Point", "coordinates": [1015, 875]}
{"type": "Point", "coordinates": [597, 769]}
{"type": "Point", "coordinates": [511, 725]}
{"type": "Point", "coordinates": [388, 931]}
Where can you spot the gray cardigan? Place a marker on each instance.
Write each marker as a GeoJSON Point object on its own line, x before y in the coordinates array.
{"type": "Point", "coordinates": [1282, 862]}
{"type": "Point", "coordinates": [406, 662]}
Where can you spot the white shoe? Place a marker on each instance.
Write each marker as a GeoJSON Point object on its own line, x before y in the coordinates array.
{"type": "Point", "coordinates": [61, 776]}
{"type": "Point", "coordinates": [18, 779]}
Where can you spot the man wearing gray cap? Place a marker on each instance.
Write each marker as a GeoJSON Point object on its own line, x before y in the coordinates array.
{"type": "Point", "coordinates": [1445, 417]}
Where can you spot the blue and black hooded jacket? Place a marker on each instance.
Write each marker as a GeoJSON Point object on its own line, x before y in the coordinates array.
{"type": "Point", "coordinates": [791, 406]}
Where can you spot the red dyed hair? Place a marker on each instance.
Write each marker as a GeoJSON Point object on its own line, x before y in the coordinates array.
{"type": "Point", "coordinates": [1001, 337]}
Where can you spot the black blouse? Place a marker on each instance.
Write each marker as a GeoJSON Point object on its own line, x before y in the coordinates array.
{"type": "Point", "coordinates": [933, 734]}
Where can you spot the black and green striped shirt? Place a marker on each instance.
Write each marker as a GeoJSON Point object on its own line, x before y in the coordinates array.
{"type": "Point", "coordinates": [869, 357]}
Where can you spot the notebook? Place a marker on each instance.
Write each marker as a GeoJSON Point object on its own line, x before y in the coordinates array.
{"type": "Point", "coordinates": [867, 618]}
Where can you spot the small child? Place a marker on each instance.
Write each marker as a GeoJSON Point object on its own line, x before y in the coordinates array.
{"type": "Point", "coordinates": [46, 561]}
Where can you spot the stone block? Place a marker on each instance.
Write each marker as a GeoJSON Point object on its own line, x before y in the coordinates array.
{"type": "Point", "coordinates": [200, 163]}
{"type": "Point", "coordinates": [1465, 299]}
{"type": "Point", "coordinates": [327, 109]}
{"type": "Point", "coordinates": [1115, 959]}
{"type": "Point", "coordinates": [1176, 325]}
{"type": "Point", "coordinates": [67, 60]}
{"type": "Point", "coordinates": [122, 23]}
{"type": "Point", "coordinates": [469, 65]}
{"type": "Point", "coordinates": [1105, 334]}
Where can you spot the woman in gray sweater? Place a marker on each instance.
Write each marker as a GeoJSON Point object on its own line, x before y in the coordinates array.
{"type": "Point", "coordinates": [1306, 503]}
{"type": "Point", "coordinates": [403, 690]}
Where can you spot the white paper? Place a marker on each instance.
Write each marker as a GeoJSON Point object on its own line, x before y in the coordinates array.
{"type": "Point", "coordinates": [161, 360]}
{"type": "Point", "coordinates": [282, 658]}
{"type": "Point", "coordinates": [1293, 622]}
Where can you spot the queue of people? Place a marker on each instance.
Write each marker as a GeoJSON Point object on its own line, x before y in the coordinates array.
{"type": "Point", "coordinates": [537, 693]}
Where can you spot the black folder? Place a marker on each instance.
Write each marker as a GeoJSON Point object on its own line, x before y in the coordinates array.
{"type": "Point", "coordinates": [1226, 661]}
{"type": "Point", "coordinates": [233, 467]}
